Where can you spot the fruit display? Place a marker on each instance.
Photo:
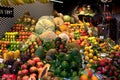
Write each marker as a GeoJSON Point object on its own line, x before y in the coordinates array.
{"type": "Point", "coordinates": [49, 49]}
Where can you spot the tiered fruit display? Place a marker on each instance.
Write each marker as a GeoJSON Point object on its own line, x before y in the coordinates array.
{"type": "Point", "coordinates": [10, 36]}
{"type": "Point", "coordinates": [64, 63]}
{"type": "Point", "coordinates": [31, 69]}
{"type": "Point", "coordinates": [23, 36]}
{"type": "Point", "coordinates": [109, 68]}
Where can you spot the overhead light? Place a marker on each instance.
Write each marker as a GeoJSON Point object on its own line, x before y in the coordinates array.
{"type": "Point", "coordinates": [57, 1]}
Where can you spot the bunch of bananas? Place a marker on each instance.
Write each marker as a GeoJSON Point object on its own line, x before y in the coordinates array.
{"type": "Point", "coordinates": [5, 2]}
{"type": "Point", "coordinates": [44, 1]}
{"type": "Point", "coordinates": [17, 2]}
{"type": "Point", "coordinates": [29, 1]}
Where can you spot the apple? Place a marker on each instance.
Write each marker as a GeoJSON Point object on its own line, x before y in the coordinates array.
{"type": "Point", "coordinates": [31, 62]}
{"type": "Point", "coordinates": [24, 66]}
{"type": "Point", "coordinates": [36, 59]}
{"type": "Point", "coordinates": [24, 71]}
{"type": "Point", "coordinates": [40, 64]}
{"type": "Point", "coordinates": [33, 69]}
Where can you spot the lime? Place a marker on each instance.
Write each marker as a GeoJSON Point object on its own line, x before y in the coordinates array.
{"type": "Point", "coordinates": [63, 74]}
{"type": "Point", "coordinates": [65, 64]}
{"type": "Point", "coordinates": [73, 64]}
{"type": "Point", "coordinates": [67, 57]}
{"type": "Point", "coordinates": [57, 71]}
{"type": "Point", "coordinates": [74, 73]}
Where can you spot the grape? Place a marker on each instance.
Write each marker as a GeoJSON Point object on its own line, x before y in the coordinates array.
{"type": "Point", "coordinates": [9, 62]}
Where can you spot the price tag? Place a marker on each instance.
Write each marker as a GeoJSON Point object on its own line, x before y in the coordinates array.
{"type": "Point", "coordinates": [103, 54]}
{"type": "Point", "coordinates": [1, 60]}
{"type": "Point", "coordinates": [102, 37]}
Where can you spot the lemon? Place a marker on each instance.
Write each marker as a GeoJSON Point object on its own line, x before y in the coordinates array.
{"type": "Point", "coordinates": [95, 42]}
{"type": "Point", "coordinates": [86, 58]}
{"type": "Point", "coordinates": [116, 47]}
{"type": "Point", "coordinates": [88, 65]}
{"type": "Point", "coordinates": [112, 50]}
{"type": "Point", "coordinates": [99, 59]}
{"type": "Point", "coordinates": [95, 58]}
{"type": "Point", "coordinates": [90, 55]}
{"type": "Point", "coordinates": [104, 50]}
{"type": "Point", "coordinates": [87, 48]}
{"type": "Point", "coordinates": [91, 51]}
{"type": "Point", "coordinates": [86, 52]}
{"type": "Point", "coordinates": [98, 55]}
{"type": "Point", "coordinates": [91, 61]}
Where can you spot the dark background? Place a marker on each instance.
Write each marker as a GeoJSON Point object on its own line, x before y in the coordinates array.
{"type": "Point", "coordinates": [69, 5]}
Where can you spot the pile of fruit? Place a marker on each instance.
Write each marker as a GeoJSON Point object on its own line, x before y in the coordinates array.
{"type": "Point", "coordinates": [42, 50]}
{"type": "Point", "coordinates": [109, 67]}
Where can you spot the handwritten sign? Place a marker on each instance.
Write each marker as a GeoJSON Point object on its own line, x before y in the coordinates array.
{"type": "Point", "coordinates": [6, 12]}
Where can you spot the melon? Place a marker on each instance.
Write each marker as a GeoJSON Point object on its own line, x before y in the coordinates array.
{"type": "Point", "coordinates": [66, 18]}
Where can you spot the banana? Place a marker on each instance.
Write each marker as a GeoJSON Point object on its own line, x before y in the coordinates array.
{"type": "Point", "coordinates": [17, 2]}
{"type": "Point", "coordinates": [44, 1]}
{"type": "Point", "coordinates": [29, 1]}
{"type": "Point", "coordinates": [32, 1]}
{"type": "Point", "coordinates": [5, 2]}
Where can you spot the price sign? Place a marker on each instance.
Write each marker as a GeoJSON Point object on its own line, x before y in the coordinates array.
{"type": "Point", "coordinates": [6, 12]}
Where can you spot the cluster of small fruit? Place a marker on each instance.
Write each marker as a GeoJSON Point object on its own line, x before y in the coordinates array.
{"type": "Point", "coordinates": [60, 45]}
{"type": "Point", "coordinates": [91, 55]}
{"type": "Point", "coordinates": [10, 66]}
{"type": "Point", "coordinates": [10, 36]}
{"type": "Point", "coordinates": [67, 65]}
{"type": "Point", "coordinates": [82, 41]}
{"type": "Point", "coordinates": [11, 55]}
{"type": "Point", "coordinates": [109, 68]}
{"type": "Point", "coordinates": [14, 45]}
{"type": "Point", "coordinates": [30, 46]}
{"type": "Point", "coordinates": [3, 45]}
{"type": "Point", "coordinates": [30, 69]}
{"type": "Point", "coordinates": [18, 27]}
{"type": "Point", "coordinates": [23, 36]}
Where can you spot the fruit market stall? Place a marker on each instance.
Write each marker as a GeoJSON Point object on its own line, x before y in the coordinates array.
{"type": "Point", "coordinates": [57, 48]}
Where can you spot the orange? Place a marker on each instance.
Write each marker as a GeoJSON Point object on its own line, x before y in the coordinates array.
{"type": "Point", "coordinates": [84, 77]}
{"type": "Point", "coordinates": [94, 78]}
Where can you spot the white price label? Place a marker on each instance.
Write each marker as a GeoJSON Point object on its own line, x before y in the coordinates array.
{"type": "Point", "coordinates": [102, 37]}
{"type": "Point", "coordinates": [1, 60]}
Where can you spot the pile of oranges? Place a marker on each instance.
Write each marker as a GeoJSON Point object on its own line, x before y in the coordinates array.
{"type": "Point", "coordinates": [85, 77]}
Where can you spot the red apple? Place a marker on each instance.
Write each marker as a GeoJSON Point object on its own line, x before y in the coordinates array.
{"type": "Point", "coordinates": [24, 66]}
{"type": "Point", "coordinates": [40, 64]}
{"type": "Point", "coordinates": [36, 59]}
{"type": "Point", "coordinates": [33, 69]}
{"type": "Point", "coordinates": [24, 71]}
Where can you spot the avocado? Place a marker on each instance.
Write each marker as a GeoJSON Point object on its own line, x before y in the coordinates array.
{"type": "Point", "coordinates": [40, 53]}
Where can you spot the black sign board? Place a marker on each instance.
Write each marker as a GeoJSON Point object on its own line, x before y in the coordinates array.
{"type": "Point", "coordinates": [6, 12]}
